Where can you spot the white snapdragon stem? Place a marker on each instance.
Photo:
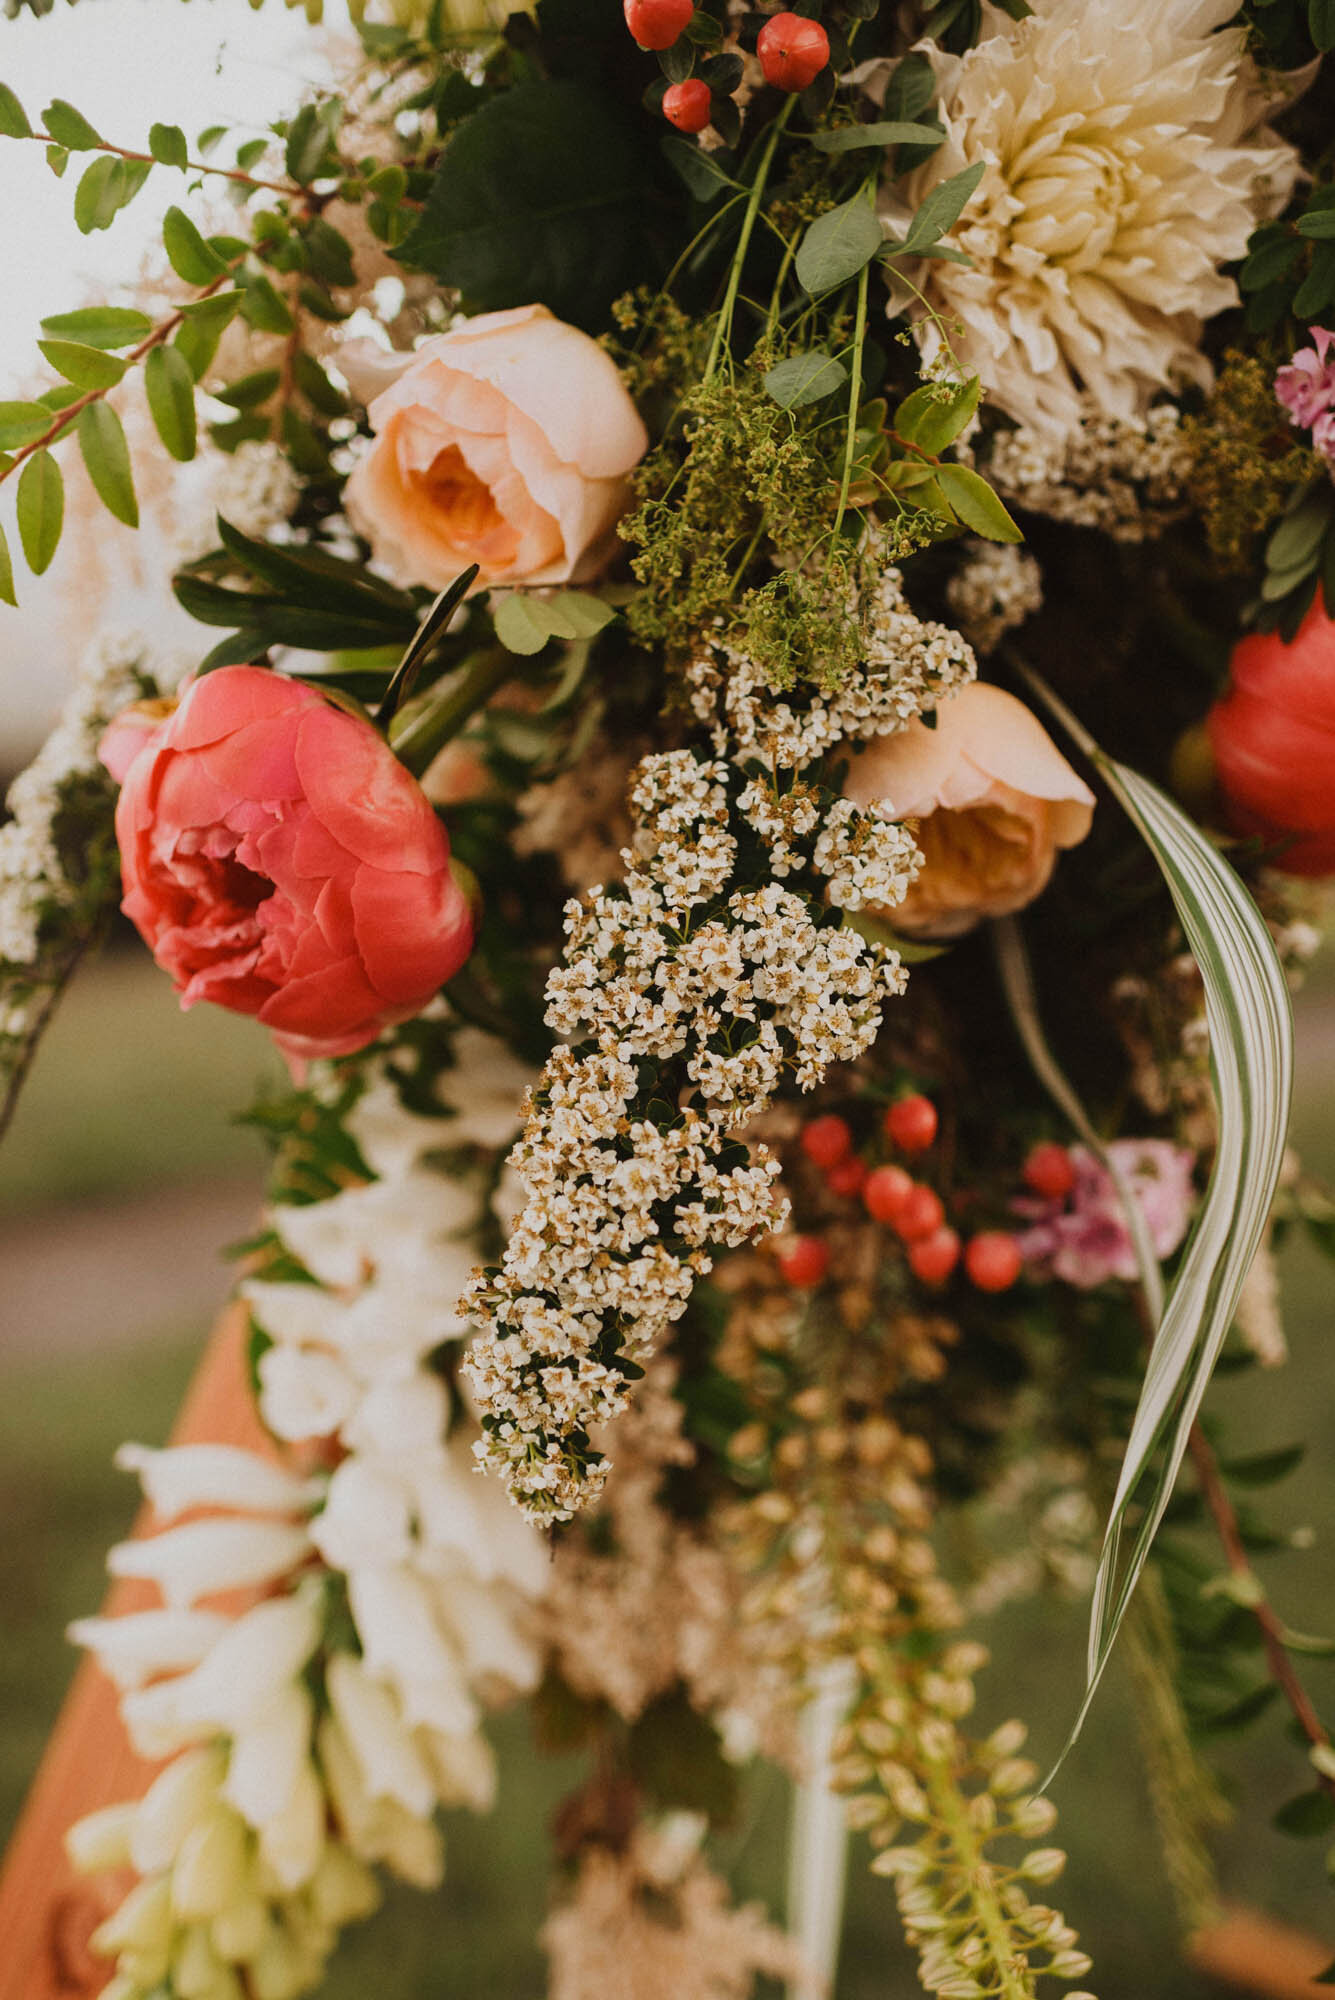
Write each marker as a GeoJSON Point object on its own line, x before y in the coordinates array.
{"type": "Point", "coordinates": [213, 1475]}
{"type": "Point", "coordinates": [202, 1557]}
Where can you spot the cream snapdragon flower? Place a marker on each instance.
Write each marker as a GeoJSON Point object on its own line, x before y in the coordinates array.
{"type": "Point", "coordinates": [1126, 162]}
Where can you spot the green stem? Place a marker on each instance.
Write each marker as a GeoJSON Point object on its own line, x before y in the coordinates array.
{"type": "Point", "coordinates": [429, 732]}
{"type": "Point", "coordinates": [976, 1870]}
{"type": "Point", "coordinates": [724, 325]}
{"type": "Point", "coordinates": [191, 166]}
{"type": "Point", "coordinates": [854, 398]}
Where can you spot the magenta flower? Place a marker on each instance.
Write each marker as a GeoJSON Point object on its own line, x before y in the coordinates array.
{"type": "Point", "coordinates": [1084, 1240]}
{"type": "Point", "coordinates": [1306, 388]}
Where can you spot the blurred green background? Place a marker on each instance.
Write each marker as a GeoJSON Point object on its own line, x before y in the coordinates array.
{"type": "Point", "coordinates": [120, 1182]}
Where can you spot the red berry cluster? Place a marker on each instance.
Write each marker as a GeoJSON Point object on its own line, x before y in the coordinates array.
{"type": "Point", "coordinates": [792, 52]}
{"type": "Point", "coordinates": [911, 1208]}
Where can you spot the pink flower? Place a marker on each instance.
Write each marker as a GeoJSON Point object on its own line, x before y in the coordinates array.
{"type": "Point", "coordinates": [1084, 1240]}
{"type": "Point", "coordinates": [994, 799]}
{"type": "Point", "coordinates": [1306, 388]}
{"type": "Point", "coordinates": [505, 442]}
{"type": "Point", "coordinates": [279, 861]}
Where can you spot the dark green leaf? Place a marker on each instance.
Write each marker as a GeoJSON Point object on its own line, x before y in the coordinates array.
{"type": "Point", "coordinates": [99, 326]}
{"type": "Point", "coordinates": [170, 388]}
{"type": "Point", "coordinates": [86, 367]}
{"type": "Point", "coordinates": [1298, 537]}
{"type": "Point", "coordinates": [1269, 261]}
{"type": "Point", "coordinates": [1321, 27]}
{"type": "Point", "coordinates": [13, 125]}
{"type": "Point", "coordinates": [933, 416]}
{"type": "Point", "coordinates": [1238, 1714]}
{"type": "Point", "coordinates": [309, 152]}
{"type": "Point", "coordinates": [837, 245]}
{"type": "Point", "coordinates": [6, 571]}
{"type": "Point", "coordinates": [886, 132]}
{"type": "Point", "coordinates": [41, 509]}
{"type": "Point", "coordinates": [431, 628]}
{"type": "Point", "coordinates": [314, 578]}
{"type": "Point", "coordinates": [803, 379]}
{"type": "Point", "coordinates": [1307, 1815]}
{"type": "Point", "coordinates": [1263, 1468]}
{"type": "Point", "coordinates": [1320, 223]}
{"type": "Point", "coordinates": [167, 144]}
{"type": "Point", "coordinates": [69, 128]}
{"type": "Point", "coordinates": [331, 258]}
{"type": "Point", "coordinates": [249, 391]}
{"type": "Point", "coordinates": [678, 61]}
{"type": "Point", "coordinates": [722, 74]}
{"type": "Point", "coordinates": [1317, 290]}
{"type": "Point", "coordinates": [22, 423]}
{"type": "Point", "coordinates": [539, 197]}
{"type": "Point", "coordinates": [973, 500]}
{"type": "Point", "coordinates": [304, 445]}
{"type": "Point", "coordinates": [943, 207]}
{"type": "Point", "coordinates": [316, 386]}
{"type": "Point", "coordinates": [107, 457]}
{"type": "Point", "coordinates": [187, 252]}
{"type": "Point", "coordinates": [700, 171]}
{"type": "Point", "coordinates": [261, 307]}
{"type": "Point", "coordinates": [911, 88]}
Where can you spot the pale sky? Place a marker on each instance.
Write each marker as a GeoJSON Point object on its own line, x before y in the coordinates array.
{"type": "Point", "coordinates": [124, 64]}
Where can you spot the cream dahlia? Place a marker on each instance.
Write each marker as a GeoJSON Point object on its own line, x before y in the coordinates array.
{"type": "Point", "coordinates": [1126, 162]}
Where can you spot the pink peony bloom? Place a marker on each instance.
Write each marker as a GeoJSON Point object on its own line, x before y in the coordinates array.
{"type": "Point", "coordinates": [505, 442]}
{"type": "Point", "coordinates": [279, 860]}
{"type": "Point", "coordinates": [1306, 388]}
{"type": "Point", "coordinates": [1084, 1240]}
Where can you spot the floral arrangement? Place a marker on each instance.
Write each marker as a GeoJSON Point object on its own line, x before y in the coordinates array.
{"type": "Point", "coordinates": [763, 757]}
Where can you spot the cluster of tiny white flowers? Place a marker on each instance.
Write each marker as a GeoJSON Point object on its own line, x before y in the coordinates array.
{"type": "Point", "coordinates": [910, 664]}
{"type": "Point", "coordinates": [1127, 479]}
{"type": "Point", "coordinates": [995, 589]}
{"type": "Point", "coordinates": [623, 1158]}
{"type": "Point", "coordinates": [258, 1841]}
{"type": "Point", "coordinates": [865, 857]}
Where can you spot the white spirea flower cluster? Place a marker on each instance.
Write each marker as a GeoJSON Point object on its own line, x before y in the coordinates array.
{"type": "Point", "coordinates": [302, 1757]}
{"type": "Point", "coordinates": [995, 589]}
{"type": "Point", "coordinates": [1126, 479]}
{"type": "Point", "coordinates": [693, 993]}
{"type": "Point", "coordinates": [32, 879]}
{"type": "Point", "coordinates": [909, 664]}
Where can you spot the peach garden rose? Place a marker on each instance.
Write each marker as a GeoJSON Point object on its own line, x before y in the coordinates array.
{"type": "Point", "coordinates": [505, 442]}
{"type": "Point", "coordinates": [994, 798]}
{"type": "Point", "coordinates": [279, 860]}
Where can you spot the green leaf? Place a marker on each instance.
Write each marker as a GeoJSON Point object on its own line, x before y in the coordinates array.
{"type": "Point", "coordinates": [202, 328]}
{"type": "Point", "coordinates": [973, 500]}
{"type": "Point", "coordinates": [107, 457]}
{"type": "Point", "coordinates": [329, 252]}
{"type": "Point", "coordinates": [1263, 1468]}
{"type": "Point", "coordinates": [1250, 1025]}
{"type": "Point", "coordinates": [539, 197]}
{"type": "Point", "coordinates": [41, 509]}
{"type": "Point", "coordinates": [249, 391]}
{"type": "Point", "coordinates": [313, 578]}
{"type": "Point", "coordinates": [100, 326]}
{"type": "Point", "coordinates": [584, 614]}
{"type": "Point", "coordinates": [211, 137]}
{"type": "Point", "coordinates": [170, 388]}
{"type": "Point", "coordinates": [837, 245]}
{"type": "Point", "coordinates": [886, 132]}
{"type": "Point", "coordinates": [6, 570]}
{"type": "Point", "coordinates": [101, 192]}
{"type": "Point", "coordinates": [432, 628]}
{"type": "Point", "coordinates": [316, 386]}
{"type": "Point", "coordinates": [1307, 1816]}
{"type": "Point", "coordinates": [86, 367]}
{"type": "Point", "coordinates": [700, 171]}
{"type": "Point", "coordinates": [187, 252]}
{"type": "Point", "coordinates": [803, 379]}
{"type": "Point", "coordinates": [911, 88]}
{"type": "Point", "coordinates": [524, 623]}
{"type": "Point", "coordinates": [167, 144]}
{"type": "Point", "coordinates": [1319, 223]}
{"type": "Point", "coordinates": [1295, 542]}
{"type": "Point", "coordinates": [932, 419]}
{"type": "Point", "coordinates": [261, 307]}
{"type": "Point", "coordinates": [1238, 1714]}
{"type": "Point", "coordinates": [22, 423]}
{"type": "Point", "coordinates": [943, 207]}
{"type": "Point", "coordinates": [1321, 27]}
{"type": "Point", "coordinates": [309, 151]}
{"type": "Point", "coordinates": [69, 128]}
{"type": "Point", "coordinates": [13, 125]}
{"type": "Point", "coordinates": [57, 158]}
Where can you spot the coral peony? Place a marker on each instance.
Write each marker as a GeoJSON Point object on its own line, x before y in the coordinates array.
{"type": "Point", "coordinates": [1124, 169]}
{"type": "Point", "coordinates": [995, 800]}
{"type": "Point", "coordinates": [505, 442]}
{"type": "Point", "coordinates": [279, 860]}
{"type": "Point", "coordinates": [1273, 739]}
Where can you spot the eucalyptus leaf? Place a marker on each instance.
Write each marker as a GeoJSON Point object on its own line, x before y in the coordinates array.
{"type": "Point", "coordinates": [803, 379]}
{"type": "Point", "coordinates": [911, 88]}
{"type": "Point", "coordinates": [943, 207]}
{"type": "Point", "coordinates": [170, 389]}
{"type": "Point", "coordinates": [107, 458]}
{"type": "Point", "coordinates": [86, 367]}
{"type": "Point", "coordinates": [40, 509]}
{"type": "Point", "coordinates": [100, 326]}
{"type": "Point", "coordinates": [837, 245]}
{"type": "Point", "coordinates": [1295, 542]}
{"type": "Point", "coordinates": [13, 125]}
{"type": "Point", "coordinates": [886, 132]}
{"type": "Point", "coordinates": [975, 503]}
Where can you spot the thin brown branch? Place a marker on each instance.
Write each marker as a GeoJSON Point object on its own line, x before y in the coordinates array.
{"type": "Point", "coordinates": [191, 166]}
{"type": "Point", "coordinates": [1282, 1670]}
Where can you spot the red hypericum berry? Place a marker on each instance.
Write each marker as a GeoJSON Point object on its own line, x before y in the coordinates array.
{"type": "Point", "coordinates": [993, 1260]}
{"type": "Point", "coordinates": [1050, 1170]}
{"type": "Point", "coordinates": [848, 1178]}
{"type": "Point", "coordinates": [656, 24]}
{"type": "Point", "coordinates": [688, 105]}
{"type": "Point", "coordinates": [792, 51]}
{"type": "Point", "coordinates": [934, 1257]}
{"type": "Point", "coordinates": [921, 1214]}
{"type": "Point", "coordinates": [884, 1193]}
{"type": "Point", "coordinates": [803, 1261]}
{"type": "Point", "coordinates": [911, 1123]}
{"type": "Point", "coordinates": [826, 1141]}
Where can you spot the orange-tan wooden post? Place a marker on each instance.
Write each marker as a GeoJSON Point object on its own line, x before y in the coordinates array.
{"type": "Point", "coordinates": [47, 1912]}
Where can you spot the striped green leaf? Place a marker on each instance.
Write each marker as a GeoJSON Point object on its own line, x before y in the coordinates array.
{"type": "Point", "coordinates": [1250, 1024]}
